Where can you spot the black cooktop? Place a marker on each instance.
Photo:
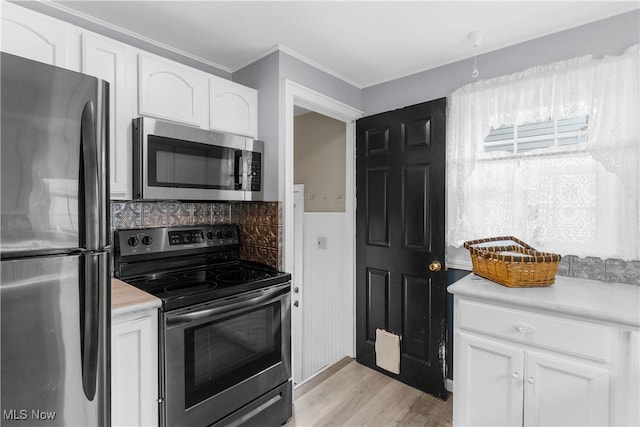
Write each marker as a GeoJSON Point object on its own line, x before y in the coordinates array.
{"type": "Point", "coordinates": [189, 265]}
{"type": "Point", "coordinates": [192, 286]}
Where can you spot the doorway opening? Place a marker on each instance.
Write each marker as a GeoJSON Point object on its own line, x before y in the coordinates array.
{"type": "Point", "coordinates": [322, 261]}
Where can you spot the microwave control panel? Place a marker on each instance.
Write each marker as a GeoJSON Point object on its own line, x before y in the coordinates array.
{"type": "Point", "coordinates": [255, 172]}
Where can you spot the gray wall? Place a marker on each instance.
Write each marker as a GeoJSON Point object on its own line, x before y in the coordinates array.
{"type": "Point", "coordinates": [300, 72]}
{"type": "Point", "coordinates": [263, 75]}
{"type": "Point", "coordinates": [266, 76]}
{"type": "Point", "coordinates": [607, 37]}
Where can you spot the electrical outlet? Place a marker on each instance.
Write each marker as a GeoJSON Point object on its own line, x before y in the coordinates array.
{"type": "Point", "coordinates": [321, 243]}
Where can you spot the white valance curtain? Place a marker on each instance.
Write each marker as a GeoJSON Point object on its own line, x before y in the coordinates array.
{"type": "Point", "coordinates": [582, 200]}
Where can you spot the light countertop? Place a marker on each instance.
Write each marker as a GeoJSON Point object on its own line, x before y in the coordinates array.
{"type": "Point", "coordinates": [605, 301]}
{"type": "Point", "coordinates": [128, 299]}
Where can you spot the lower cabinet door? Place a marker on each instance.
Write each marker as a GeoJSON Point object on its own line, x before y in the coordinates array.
{"type": "Point", "coordinates": [562, 392]}
{"type": "Point", "coordinates": [488, 383]}
{"type": "Point", "coordinates": [134, 370]}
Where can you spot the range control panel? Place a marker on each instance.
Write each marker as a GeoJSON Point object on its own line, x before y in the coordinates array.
{"type": "Point", "coordinates": [154, 240]}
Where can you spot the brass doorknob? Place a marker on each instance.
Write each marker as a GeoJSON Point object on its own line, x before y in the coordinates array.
{"type": "Point", "coordinates": [435, 266]}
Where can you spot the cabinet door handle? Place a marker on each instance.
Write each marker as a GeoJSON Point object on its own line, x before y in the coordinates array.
{"type": "Point", "coordinates": [524, 329]}
{"type": "Point", "coordinates": [515, 375]}
{"type": "Point", "coordinates": [530, 380]}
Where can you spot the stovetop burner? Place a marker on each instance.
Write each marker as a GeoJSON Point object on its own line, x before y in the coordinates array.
{"type": "Point", "coordinates": [189, 265]}
{"type": "Point", "coordinates": [240, 275]}
{"type": "Point", "coordinates": [190, 288]}
{"type": "Point", "coordinates": [161, 281]}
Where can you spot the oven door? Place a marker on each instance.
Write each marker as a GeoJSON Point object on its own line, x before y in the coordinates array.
{"type": "Point", "coordinates": [221, 356]}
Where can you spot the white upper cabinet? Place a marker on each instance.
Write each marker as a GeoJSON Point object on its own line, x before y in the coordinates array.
{"type": "Point", "coordinates": [172, 91]}
{"type": "Point", "coordinates": [35, 36]}
{"type": "Point", "coordinates": [232, 107]}
{"type": "Point", "coordinates": [112, 61]}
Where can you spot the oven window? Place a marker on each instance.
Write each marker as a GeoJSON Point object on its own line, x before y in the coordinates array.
{"type": "Point", "coordinates": [175, 163]}
{"type": "Point", "coordinates": [229, 350]}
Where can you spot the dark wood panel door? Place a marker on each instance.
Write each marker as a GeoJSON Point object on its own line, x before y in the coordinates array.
{"type": "Point", "coordinates": [400, 220]}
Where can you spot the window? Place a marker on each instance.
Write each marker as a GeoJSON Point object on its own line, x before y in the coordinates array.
{"type": "Point", "coordinates": [533, 136]}
{"type": "Point", "coordinates": [549, 155]}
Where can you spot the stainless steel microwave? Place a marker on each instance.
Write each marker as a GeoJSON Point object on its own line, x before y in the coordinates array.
{"type": "Point", "coordinates": [176, 162]}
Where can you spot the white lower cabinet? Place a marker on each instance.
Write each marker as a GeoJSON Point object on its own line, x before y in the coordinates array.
{"type": "Point", "coordinates": [525, 368]}
{"type": "Point", "coordinates": [559, 391]}
{"type": "Point", "coordinates": [628, 408]}
{"type": "Point", "coordinates": [134, 369]}
{"type": "Point", "coordinates": [488, 382]}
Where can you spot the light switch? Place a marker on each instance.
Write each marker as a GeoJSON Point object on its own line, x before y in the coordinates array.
{"type": "Point", "coordinates": [322, 243]}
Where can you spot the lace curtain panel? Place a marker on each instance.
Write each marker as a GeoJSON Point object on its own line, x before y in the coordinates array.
{"type": "Point", "coordinates": [582, 199]}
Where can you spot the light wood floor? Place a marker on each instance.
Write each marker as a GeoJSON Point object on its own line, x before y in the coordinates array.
{"type": "Point", "coordinates": [350, 394]}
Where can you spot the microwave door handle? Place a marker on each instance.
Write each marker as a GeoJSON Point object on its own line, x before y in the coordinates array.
{"type": "Point", "coordinates": [238, 170]}
{"type": "Point", "coordinates": [265, 298]}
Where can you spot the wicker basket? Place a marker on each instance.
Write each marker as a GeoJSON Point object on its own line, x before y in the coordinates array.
{"type": "Point", "coordinates": [512, 262]}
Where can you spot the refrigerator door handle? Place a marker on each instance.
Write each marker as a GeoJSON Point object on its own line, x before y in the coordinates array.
{"type": "Point", "coordinates": [89, 207]}
{"type": "Point", "coordinates": [92, 285]}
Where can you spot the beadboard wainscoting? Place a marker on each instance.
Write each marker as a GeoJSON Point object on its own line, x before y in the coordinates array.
{"type": "Point", "coordinates": [327, 300]}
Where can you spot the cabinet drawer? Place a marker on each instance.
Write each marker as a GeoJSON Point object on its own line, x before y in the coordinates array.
{"type": "Point", "coordinates": [571, 336]}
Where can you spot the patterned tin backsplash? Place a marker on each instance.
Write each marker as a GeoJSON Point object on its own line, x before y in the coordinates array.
{"type": "Point", "coordinates": [261, 228]}
{"type": "Point", "coordinates": [609, 270]}
{"type": "Point", "coordinates": [260, 222]}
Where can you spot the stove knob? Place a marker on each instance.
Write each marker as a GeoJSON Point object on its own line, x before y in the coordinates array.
{"type": "Point", "coordinates": [219, 234]}
{"type": "Point", "coordinates": [133, 241]}
{"type": "Point", "coordinates": [147, 240]}
{"type": "Point", "coordinates": [210, 235]}
{"type": "Point", "coordinates": [228, 234]}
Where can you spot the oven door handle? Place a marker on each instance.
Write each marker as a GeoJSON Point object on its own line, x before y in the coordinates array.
{"type": "Point", "coordinates": [266, 297]}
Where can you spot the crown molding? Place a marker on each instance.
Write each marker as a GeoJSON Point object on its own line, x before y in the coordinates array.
{"type": "Point", "coordinates": [318, 66]}
{"type": "Point", "coordinates": [301, 58]}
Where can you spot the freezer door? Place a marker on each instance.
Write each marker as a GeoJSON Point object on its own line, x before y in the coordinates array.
{"type": "Point", "coordinates": [54, 160]}
{"type": "Point", "coordinates": [54, 351]}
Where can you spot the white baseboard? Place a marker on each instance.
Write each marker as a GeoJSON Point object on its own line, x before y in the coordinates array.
{"type": "Point", "coordinates": [449, 385]}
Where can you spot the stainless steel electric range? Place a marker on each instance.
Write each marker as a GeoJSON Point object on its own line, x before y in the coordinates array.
{"type": "Point", "coordinates": [225, 328]}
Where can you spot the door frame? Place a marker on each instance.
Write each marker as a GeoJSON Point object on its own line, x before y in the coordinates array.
{"type": "Point", "coordinates": [297, 328]}
{"type": "Point", "coordinates": [296, 94]}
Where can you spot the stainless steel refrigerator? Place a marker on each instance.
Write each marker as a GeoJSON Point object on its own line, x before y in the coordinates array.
{"type": "Point", "coordinates": [55, 247]}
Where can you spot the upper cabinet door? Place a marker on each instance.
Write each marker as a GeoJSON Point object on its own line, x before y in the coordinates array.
{"type": "Point", "coordinates": [233, 108]}
{"type": "Point", "coordinates": [172, 91]}
{"type": "Point", "coordinates": [109, 60]}
{"type": "Point", "coordinates": [33, 35]}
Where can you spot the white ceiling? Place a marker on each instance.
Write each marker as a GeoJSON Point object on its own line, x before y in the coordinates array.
{"type": "Point", "coordinates": [362, 42]}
